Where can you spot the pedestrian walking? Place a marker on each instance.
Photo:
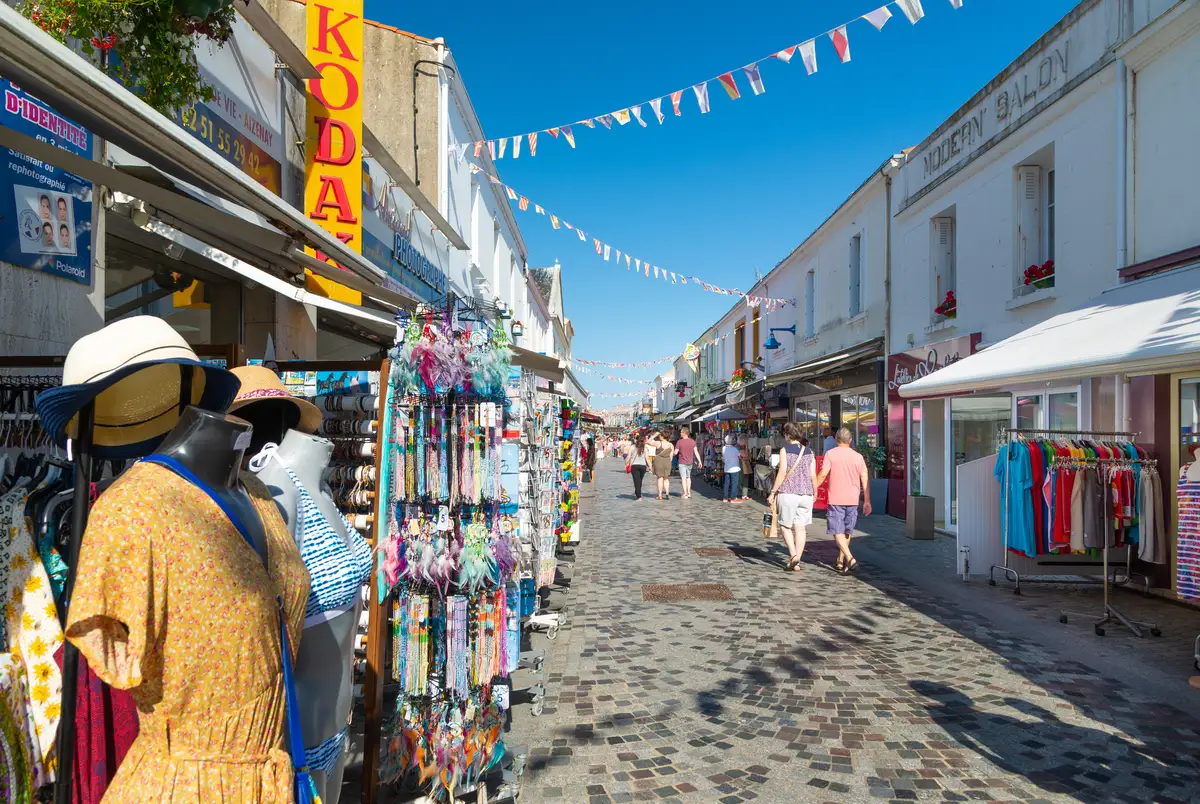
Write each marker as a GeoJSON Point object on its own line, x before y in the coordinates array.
{"type": "Point", "coordinates": [794, 492]}
{"type": "Point", "coordinates": [733, 470]}
{"type": "Point", "coordinates": [635, 463]}
{"type": "Point", "coordinates": [590, 460]}
{"type": "Point", "coordinates": [664, 451]}
{"type": "Point", "coordinates": [830, 443]}
{"type": "Point", "coordinates": [747, 464]}
{"type": "Point", "coordinates": [686, 453]}
{"type": "Point", "coordinates": [847, 474]}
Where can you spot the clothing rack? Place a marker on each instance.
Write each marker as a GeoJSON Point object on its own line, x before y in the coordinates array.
{"type": "Point", "coordinates": [1109, 613]}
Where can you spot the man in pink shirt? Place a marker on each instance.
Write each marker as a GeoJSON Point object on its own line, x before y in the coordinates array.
{"type": "Point", "coordinates": [847, 474]}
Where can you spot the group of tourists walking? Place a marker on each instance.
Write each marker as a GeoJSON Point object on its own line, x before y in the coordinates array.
{"type": "Point", "coordinates": [793, 493]}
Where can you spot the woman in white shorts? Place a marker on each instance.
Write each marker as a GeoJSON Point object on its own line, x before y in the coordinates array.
{"type": "Point", "coordinates": [794, 492]}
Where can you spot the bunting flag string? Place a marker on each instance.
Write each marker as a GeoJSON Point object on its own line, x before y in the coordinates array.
{"type": "Point", "coordinates": [594, 373]}
{"type": "Point", "coordinates": [643, 364]}
{"type": "Point", "coordinates": [912, 10]}
{"type": "Point", "coordinates": [640, 266]}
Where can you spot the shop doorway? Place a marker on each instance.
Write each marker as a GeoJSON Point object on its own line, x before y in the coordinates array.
{"type": "Point", "coordinates": [927, 453]}
{"type": "Point", "coordinates": [978, 428]}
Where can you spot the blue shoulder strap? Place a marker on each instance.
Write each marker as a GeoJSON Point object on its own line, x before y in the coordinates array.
{"type": "Point", "coordinates": [305, 788]}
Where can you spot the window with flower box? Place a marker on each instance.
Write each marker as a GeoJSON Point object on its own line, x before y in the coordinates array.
{"type": "Point", "coordinates": [942, 257]}
{"type": "Point", "coordinates": [1034, 197]}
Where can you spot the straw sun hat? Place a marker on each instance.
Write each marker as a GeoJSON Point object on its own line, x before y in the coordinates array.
{"type": "Point", "coordinates": [259, 383]}
{"type": "Point", "coordinates": [134, 370]}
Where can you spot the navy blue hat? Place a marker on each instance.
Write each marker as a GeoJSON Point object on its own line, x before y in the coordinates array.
{"type": "Point", "coordinates": [141, 374]}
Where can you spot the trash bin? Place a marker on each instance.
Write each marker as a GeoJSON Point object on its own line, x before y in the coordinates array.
{"type": "Point", "coordinates": [918, 523]}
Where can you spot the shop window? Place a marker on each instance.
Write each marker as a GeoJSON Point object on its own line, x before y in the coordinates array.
{"type": "Point", "coordinates": [856, 303]}
{"type": "Point", "coordinates": [1189, 419]}
{"type": "Point", "coordinates": [739, 343]}
{"type": "Point", "coordinates": [860, 418]}
{"type": "Point", "coordinates": [1055, 410]}
{"type": "Point", "coordinates": [1035, 197]}
{"type": "Point", "coordinates": [978, 428]}
{"type": "Point", "coordinates": [914, 447]}
{"type": "Point", "coordinates": [942, 258]}
{"type": "Point", "coordinates": [810, 303]}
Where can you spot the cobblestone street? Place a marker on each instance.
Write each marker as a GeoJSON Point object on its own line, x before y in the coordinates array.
{"type": "Point", "coordinates": [899, 683]}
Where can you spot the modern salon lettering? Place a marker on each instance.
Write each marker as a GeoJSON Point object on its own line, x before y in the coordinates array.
{"type": "Point", "coordinates": [903, 375]}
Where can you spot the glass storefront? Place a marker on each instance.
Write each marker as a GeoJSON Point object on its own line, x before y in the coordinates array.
{"type": "Point", "coordinates": [812, 414]}
{"type": "Point", "coordinates": [860, 417]}
{"type": "Point", "coordinates": [914, 447]}
{"type": "Point", "coordinates": [1189, 418]}
{"type": "Point", "coordinates": [978, 426]}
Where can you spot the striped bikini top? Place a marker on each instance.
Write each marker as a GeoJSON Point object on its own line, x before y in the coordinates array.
{"type": "Point", "coordinates": [337, 570]}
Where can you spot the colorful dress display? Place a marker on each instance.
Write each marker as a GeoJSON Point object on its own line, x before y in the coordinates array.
{"type": "Point", "coordinates": [1187, 582]}
{"type": "Point", "coordinates": [172, 604]}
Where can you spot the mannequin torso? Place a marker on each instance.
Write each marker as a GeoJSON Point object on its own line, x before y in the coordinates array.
{"type": "Point", "coordinates": [1193, 469]}
{"type": "Point", "coordinates": [211, 446]}
{"type": "Point", "coordinates": [324, 677]}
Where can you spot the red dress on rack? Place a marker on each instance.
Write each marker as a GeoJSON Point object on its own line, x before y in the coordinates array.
{"type": "Point", "coordinates": [106, 723]}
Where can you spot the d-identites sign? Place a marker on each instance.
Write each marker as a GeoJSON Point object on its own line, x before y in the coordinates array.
{"type": "Point", "coordinates": [333, 151]}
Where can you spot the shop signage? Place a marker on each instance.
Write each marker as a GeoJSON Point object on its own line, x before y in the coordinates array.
{"type": "Point", "coordinates": [387, 238]}
{"type": "Point", "coordinates": [333, 130]}
{"type": "Point", "coordinates": [1058, 59]}
{"type": "Point", "coordinates": [231, 128]}
{"type": "Point", "coordinates": [906, 367]}
{"type": "Point", "coordinates": [46, 212]}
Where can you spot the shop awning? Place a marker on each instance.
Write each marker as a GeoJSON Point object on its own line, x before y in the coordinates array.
{"type": "Point", "coordinates": [682, 415]}
{"type": "Point", "coordinates": [1150, 326]}
{"type": "Point", "coordinates": [543, 366]}
{"type": "Point", "coordinates": [721, 412]}
{"type": "Point", "coordinates": [76, 89]}
{"type": "Point", "coordinates": [827, 364]}
{"type": "Point", "coordinates": [591, 418]}
{"type": "Point", "coordinates": [747, 391]}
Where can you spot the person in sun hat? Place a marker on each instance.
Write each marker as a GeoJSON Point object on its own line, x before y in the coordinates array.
{"type": "Point", "coordinates": [141, 374]}
{"type": "Point", "coordinates": [260, 383]}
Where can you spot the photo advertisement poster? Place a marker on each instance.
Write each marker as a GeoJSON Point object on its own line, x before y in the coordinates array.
{"type": "Point", "coordinates": [47, 209]}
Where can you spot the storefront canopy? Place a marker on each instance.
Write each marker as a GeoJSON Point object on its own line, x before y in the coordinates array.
{"type": "Point", "coordinates": [721, 412]}
{"type": "Point", "coordinates": [1146, 327]}
{"type": "Point", "coordinates": [683, 415]}
{"type": "Point", "coordinates": [544, 366]}
{"type": "Point", "coordinates": [827, 364]}
{"type": "Point", "coordinates": [76, 89]}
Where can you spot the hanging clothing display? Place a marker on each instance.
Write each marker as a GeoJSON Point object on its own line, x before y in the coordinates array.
{"type": "Point", "coordinates": [1061, 497]}
{"type": "Point", "coordinates": [202, 652]}
{"type": "Point", "coordinates": [447, 561]}
{"type": "Point", "coordinates": [1187, 492]}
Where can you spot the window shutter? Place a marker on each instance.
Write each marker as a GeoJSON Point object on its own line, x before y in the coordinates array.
{"type": "Point", "coordinates": [1029, 201]}
{"type": "Point", "coordinates": [942, 258]}
{"type": "Point", "coordinates": [810, 289]}
{"type": "Point", "coordinates": [855, 275]}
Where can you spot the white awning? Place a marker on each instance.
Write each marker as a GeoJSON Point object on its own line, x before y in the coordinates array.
{"type": "Point", "coordinates": [682, 415]}
{"type": "Point", "coordinates": [1150, 326]}
{"type": "Point", "coordinates": [544, 366]}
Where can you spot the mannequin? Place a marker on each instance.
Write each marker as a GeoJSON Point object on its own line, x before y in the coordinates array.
{"type": "Point", "coordinates": [1193, 468]}
{"type": "Point", "coordinates": [324, 667]}
{"type": "Point", "coordinates": [211, 445]}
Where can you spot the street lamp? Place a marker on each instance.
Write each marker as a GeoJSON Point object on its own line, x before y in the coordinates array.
{"type": "Point", "coordinates": [773, 344]}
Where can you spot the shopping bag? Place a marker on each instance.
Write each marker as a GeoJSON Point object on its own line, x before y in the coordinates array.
{"type": "Point", "coordinates": [771, 523]}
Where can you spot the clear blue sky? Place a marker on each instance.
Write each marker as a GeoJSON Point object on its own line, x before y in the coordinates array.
{"type": "Point", "coordinates": [713, 195]}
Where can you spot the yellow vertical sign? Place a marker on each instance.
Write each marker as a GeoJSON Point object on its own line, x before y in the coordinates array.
{"type": "Point", "coordinates": [333, 139]}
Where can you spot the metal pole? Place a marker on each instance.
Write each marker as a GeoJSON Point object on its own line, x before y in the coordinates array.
{"type": "Point", "coordinates": [70, 669]}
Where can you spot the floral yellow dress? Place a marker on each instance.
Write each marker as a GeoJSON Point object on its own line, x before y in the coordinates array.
{"type": "Point", "coordinates": [171, 603]}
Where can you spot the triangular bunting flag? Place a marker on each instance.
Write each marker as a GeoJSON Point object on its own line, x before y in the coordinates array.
{"type": "Point", "coordinates": [554, 221]}
{"type": "Point", "coordinates": [523, 204]}
{"type": "Point", "coordinates": [701, 91]}
{"type": "Point", "coordinates": [956, 3]}
{"type": "Point", "coordinates": [533, 144]}
{"type": "Point", "coordinates": [786, 54]}
{"type": "Point", "coordinates": [512, 194]}
{"type": "Point", "coordinates": [656, 272]}
{"type": "Point", "coordinates": [478, 147]}
{"type": "Point", "coordinates": [754, 77]}
{"type": "Point", "coordinates": [912, 9]}
{"type": "Point", "coordinates": [730, 85]}
{"type": "Point", "coordinates": [493, 179]}
{"type": "Point", "coordinates": [590, 123]}
{"type": "Point", "coordinates": [566, 130]}
{"type": "Point", "coordinates": [621, 116]}
{"type": "Point", "coordinates": [646, 269]}
{"type": "Point", "coordinates": [676, 96]}
{"type": "Point", "coordinates": [517, 146]}
{"type": "Point", "coordinates": [492, 148]}
{"type": "Point", "coordinates": [606, 252]}
{"type": "Point", "coordinates": [656, 105]}
{"type": "Point", "coordinates": [538, 209]}
{"type": "Point", "coordinates": [569, 226]}
{"type": "Point", "coordinates": [553, 132]}
{"type": "Point", "coordinates": [627, 261]}
{"type": "Point", "coordinates": [605, 120]}
{"type": "Point", "coordinates": [673, 278]}
{"type": "Point", "coordinates": [840, 43]}
{"type": "Point", "coordinates": [637, 113]}
{"type": "Point", "coordinates": [582, 236]}
{"type": "Point", "coordinates": [683, 279]}
{"type": "Point", "coordinates": [461, 148]}
{"type": "Point", "coordinates": [878, 17]}
{"type": "Point", "coordinates": [808, 52]}
{"type": "Point", "coordinates": [503, 147]}
{"type": "Point", "coordinates": [639, 263]}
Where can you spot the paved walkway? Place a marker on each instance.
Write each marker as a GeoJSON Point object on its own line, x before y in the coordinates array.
{"type": "Point", "coordinates": [899, 683]}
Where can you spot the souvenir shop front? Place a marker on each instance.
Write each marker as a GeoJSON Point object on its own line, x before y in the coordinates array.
{"type": "Point", "coordinates": [1106, 392]}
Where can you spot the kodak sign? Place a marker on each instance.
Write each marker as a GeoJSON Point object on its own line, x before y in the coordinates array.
{"type": "Point", "coordinates": [333, 141]}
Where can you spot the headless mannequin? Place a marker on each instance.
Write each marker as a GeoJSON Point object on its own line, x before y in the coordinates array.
{"type": "Point", "coordinates": [1193, 470]}
{"type": "Point", "coordinates": [324, 674]}
{"type": "Point", "coordinates": [211, 445]}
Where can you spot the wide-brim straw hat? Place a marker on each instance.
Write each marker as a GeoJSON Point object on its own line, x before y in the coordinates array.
{"type": "Point", "coordinates": [259, 383]}
{"type": "Point", "coordinates": [134, 370]}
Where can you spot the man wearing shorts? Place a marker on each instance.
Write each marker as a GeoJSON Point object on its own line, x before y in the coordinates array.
{"type": "Point", "coordinates": [847, 474]}
{"type": "Point", "coordinates": [685, 451]}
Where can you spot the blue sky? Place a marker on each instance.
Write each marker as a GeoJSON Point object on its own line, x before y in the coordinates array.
{"type": "Point", "coordinates": [713, 195]}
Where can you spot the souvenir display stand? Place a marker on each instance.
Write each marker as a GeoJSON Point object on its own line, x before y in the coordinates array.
{"type": "Point", "coordinates": [567, 526]}
{"type": "Point", "coordinates": [1063, 461]}
{"type": "Point", "coordinates": [450, 558]}
{"type": "Point", "coordinates": [540, 471]}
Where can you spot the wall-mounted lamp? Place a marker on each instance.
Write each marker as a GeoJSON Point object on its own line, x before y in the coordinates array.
{"type": "Point", "coordinates": [773, 344]}
{"type": "Point", "coordinates": [518, 329]}
{"type": "Point", "coordinates": [681, 389]}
